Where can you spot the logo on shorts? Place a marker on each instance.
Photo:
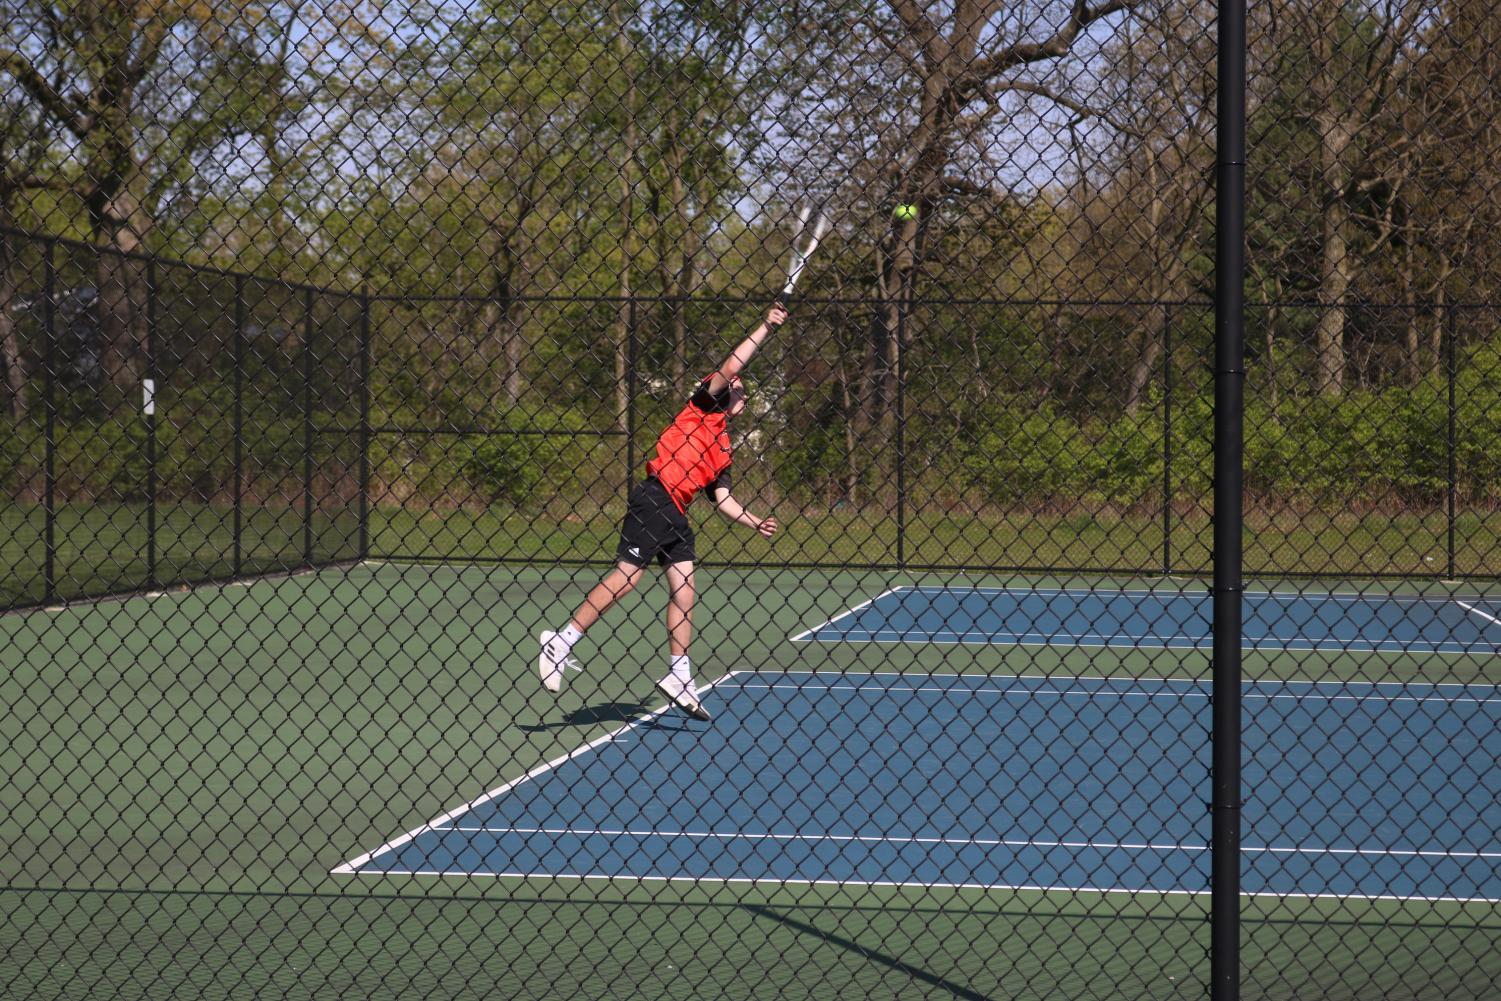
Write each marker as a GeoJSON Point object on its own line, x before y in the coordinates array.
{"type": "Point", "coordinates": [634, 551]}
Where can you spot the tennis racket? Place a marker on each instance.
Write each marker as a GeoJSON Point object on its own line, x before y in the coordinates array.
{"type": "Point", "coordinates": [804, 242]}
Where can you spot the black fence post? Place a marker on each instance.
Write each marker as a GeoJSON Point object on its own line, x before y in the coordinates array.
{"type": "Point", "coordinates": [307, 427]}
{"type": "Point", "coordinates": [1167, 441]}
{"type": "Point", "coordinates": [364, 423]}
{"type": "Point", "coordinates": [239, 423]}
{"type": "Point", "coordinates": [148, 410]}
{"type": "Point", "coordinates": [1229, 440]}
{"type": "Point", "coordinates": [901, 429]}
{"type": "Point", "coordinates": [1451, 434]}
{"type": "Point", "coordinates": [49, 490]}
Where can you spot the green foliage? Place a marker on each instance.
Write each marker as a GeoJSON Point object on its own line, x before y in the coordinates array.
{"type": "Point", "coordinates": [1366, 446]}
{"type": "Point", "coordinates": [509, 466]}
{"type": "Point", "coordinates": [811, 464]}
{"type": "Point", "coordinates": [1027, 453]}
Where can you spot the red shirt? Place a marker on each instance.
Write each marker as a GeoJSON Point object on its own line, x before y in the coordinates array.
{"type": "Point", "coordinates": [694, 451]}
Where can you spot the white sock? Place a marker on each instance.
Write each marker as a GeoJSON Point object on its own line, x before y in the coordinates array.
{"type": "Point", "coordinates": [570, 635]}
{"type": "Point", "coordinates": [681, 669]}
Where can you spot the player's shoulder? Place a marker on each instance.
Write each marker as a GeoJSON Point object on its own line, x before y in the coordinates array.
{"type": "Point", "coordinates": [705, 399]}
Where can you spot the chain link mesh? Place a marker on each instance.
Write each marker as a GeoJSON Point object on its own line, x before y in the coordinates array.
{"type": "Point", "coordinates": [337, 340]}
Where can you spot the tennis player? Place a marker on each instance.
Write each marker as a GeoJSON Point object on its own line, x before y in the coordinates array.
{"type": "Point", "coordinates": [692, 455]}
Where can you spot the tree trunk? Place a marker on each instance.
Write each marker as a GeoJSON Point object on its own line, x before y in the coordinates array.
{"type": "Point", "coordinates": [10, 344]}
{"type": "Point", "coordinates": [875, 402]}
{"type": "Point", "coordinates": [628, 249]}
{"type": "Point", "coordinates": [1149, 338]}
{"type": "Point", "coordinates": [1440, 313]}
{"type": "Point", "coordinates": [686, 283]}
{"type": "Point", "coordinates": [1147, 357]}
{"type": "Point", "coordinates": [851, 468]}
{"type": "Point", "coordinates": [121, 305]}
{"type": "Point", "coordinates": [1336, 265]}
{"type": "Point", "coordinates": [1412, 362]}
{"type": "Point", "coordinates": [503, 318]}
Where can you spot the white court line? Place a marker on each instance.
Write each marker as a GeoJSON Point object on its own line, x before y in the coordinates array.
{"type": "Point", "coordinates": [1035, 692]}
{"type": "Point", "coordinates": [848, 612]}
{"type": "Point", "coordinates": [1094, 641]}
{"type": "Point", "coordinates": [1137, 642]}
{"type": "Point", "coordinates": [354, 864]}
{"type": "Point", "coordinates": [1472, 608]}
{"type": "Point", "coordinates": [894, 884]}
{"type": "Point", "coordinates": [1148, 592]}
{"type": "Point", "coordinates": [1107, 677]}
{"type": "Point", "coordinates": [978, 842]}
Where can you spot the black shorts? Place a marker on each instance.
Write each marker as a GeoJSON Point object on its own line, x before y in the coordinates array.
{"type": "Point", "coordinates": [654, 528]}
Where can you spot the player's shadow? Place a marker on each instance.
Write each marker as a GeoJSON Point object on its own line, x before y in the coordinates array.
{"type": "Point", "coordinates": [605, 712]}
{"type": "Point", "coordinates": [865, 952]}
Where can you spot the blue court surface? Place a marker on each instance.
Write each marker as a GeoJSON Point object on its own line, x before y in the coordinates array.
{"type": "Point", "coordinates": [1168, 619]}
{"type": "Point", "coordinates": [1075, 784]}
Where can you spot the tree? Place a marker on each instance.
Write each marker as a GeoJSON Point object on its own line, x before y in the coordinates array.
{"type": "Point", "coordinates": [911, 103]}
{"type": "Point", "coordinates": [1332, 70]}
{"type": "Point", "coordinates": [22, 169]}
{"type": "Point", "coordinates": [135, 91]}
{"type": "Point", "coordinates": [1141, 226]}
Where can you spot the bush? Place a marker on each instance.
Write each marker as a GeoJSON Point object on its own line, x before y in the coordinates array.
{"type": "Point", "coordinates": [1031, 454]}
{"type": "Point", "coordinates": [508, 466]}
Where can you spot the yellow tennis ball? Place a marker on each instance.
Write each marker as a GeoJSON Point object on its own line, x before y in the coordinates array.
{"type": "Point", "coordinates": [905, 212]}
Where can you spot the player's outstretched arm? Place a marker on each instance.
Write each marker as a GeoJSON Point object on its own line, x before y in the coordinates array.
{"type": "Point", "coordinates": [741, 356]}
{"type": "Point", "coordinates": [733, 510]}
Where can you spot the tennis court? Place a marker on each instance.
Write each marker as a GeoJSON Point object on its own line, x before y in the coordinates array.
{"type": "Point", "coordinates": [942, 780]}
{"type": "Point", "coordinates": [856, 818]}
{"type": "Point", "coordinates": [1174, 618]}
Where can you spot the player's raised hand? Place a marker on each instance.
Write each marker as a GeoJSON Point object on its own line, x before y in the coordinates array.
{"type": "Point", "coordinates": [776, 316]}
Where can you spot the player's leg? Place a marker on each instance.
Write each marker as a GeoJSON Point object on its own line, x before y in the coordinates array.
{"type": "Point", "coordinates": [617, 584]}
{"type": "Point", "coordinates": [680, 615]}
{"type": "Point", "coordinates": [641, 537]}
{"type": "Point", "coordinates": [557, 647]}
{"type": "Point", "coordinates": [678, 685]}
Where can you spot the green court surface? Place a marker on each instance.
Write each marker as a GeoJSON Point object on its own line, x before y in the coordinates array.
{"type": "Point", "coordinates": [184, 770]}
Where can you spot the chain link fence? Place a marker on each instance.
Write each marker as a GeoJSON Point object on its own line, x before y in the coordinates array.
{"type": "Point", "coordinates": [338, 346]}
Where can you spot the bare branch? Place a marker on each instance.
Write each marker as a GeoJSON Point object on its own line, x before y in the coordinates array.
{"type": "Point", "coordinates": [1054, 47]}
{"type": "Point", "coordinates": [993, 91]}
{"type": "Point", "coordinates": [63, 110]}
{"type": "Point", "coordinates": [962, 186]}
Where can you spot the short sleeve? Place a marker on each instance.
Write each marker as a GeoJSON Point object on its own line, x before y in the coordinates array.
{"type": "Point", "coordinates": [711, 403]}
{"type": "Point", "coordinates": [721, 482]}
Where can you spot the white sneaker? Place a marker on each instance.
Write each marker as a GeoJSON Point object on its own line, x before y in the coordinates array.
{"type": "Point", "coordinates": [555, 657]}
{"type": "Point", "coordinates": [681, 694]}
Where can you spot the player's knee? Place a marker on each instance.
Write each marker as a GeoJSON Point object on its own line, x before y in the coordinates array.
{"type": "Point", "coordinates": [624, 581]}
{"type": "Point", "coordinates": [682, 596]}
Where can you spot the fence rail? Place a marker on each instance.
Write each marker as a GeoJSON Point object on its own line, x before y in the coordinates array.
{"type": "Point", "coordinates": [346, 391]}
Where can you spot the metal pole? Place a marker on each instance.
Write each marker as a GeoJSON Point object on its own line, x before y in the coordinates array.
{"type": "Point", "coordinates": [49, 496]}
{"type": "Point", "coordinates": [239, 422]}
{"type": "Point", "coordinates": [148, 408]}
{"type": "Point", "coordinates": [1167, 441]}
{"type": "Point", "coordinates": [1452, 432]}
{"type": "Point", "coordinates": [1229, 441]}
{"type": "Point", "coordinates": [901, 431]}
{"type": "Point", "coordinates": [364, 424]}
{"type": "Point", "coordinates": [307, 426]}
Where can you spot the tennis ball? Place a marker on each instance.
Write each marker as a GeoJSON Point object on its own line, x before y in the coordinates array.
{"type": "Point", "coordinates": [905, 211]}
